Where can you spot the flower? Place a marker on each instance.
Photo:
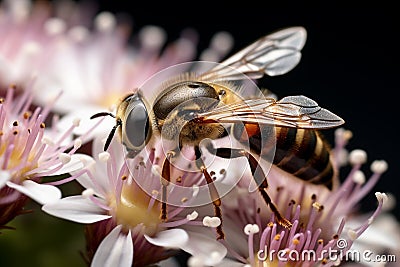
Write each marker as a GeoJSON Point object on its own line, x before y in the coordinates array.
{"type": "Point", "coordinates": [30, 151]}
{"type": "Point", "coordinates": [321, 233]}
{"type": "Point", "coordinates": [22, 41]}
{"type": "Point", "coordinates": [121, 207]}
{"type": "Point", "coordinates": [88, 57]}
{"type": "Point", "coordinates": [380, 242]}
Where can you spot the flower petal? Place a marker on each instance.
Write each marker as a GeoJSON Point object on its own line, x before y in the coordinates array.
{"type": "Point", "coordinates": [41, 193]}
{"type": "Point", "coordinates": [173, 238]}
{"type": "Point", "coordinates": [76, 209]}
{"type": "Point", "coordinates": [201, 246]}
{"type": "Point", "coordinates": [382, 235]}
{"type": "Point", "coordinates": [4, 177]}
{"type": "Point", "coordinates": [116, 250]}
{"type": "Point", "coordinates": [84, 179]}
{"type": "Point", "coordinates": [87, 183]}
{"type": "Point", "coordinates": [101, 185]}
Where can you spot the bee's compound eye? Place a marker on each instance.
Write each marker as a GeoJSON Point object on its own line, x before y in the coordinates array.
{"type": "Point", "coordinates": [137, 125]}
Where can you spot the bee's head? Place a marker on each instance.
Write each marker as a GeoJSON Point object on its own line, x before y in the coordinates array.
{"type": "Point", "coordinates": [133, 121]}
{"type": "Point", "coordinates": [135, 127]}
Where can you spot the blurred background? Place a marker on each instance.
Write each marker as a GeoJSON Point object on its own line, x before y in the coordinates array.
{"type": "Point", "coordinates": [349, 66]}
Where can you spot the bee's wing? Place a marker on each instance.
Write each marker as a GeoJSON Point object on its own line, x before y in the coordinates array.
{"type": "Point", "coordinates": [291, 111]}
{"type": "Point", "coordinates": [273, 54]}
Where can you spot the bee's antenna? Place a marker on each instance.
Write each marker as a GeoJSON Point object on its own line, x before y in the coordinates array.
{"type": "Point", "coordinates": [102, 114]}
{"type": "Point", "coordinates": [111, 135]}
{"type": "Point", "coordinates": [114, 128]}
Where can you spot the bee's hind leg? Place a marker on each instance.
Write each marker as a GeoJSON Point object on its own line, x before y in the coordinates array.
{"type": "Point", "coordinates": [213, 192]}
{"type": "Point", "coordinates": [257, 173]}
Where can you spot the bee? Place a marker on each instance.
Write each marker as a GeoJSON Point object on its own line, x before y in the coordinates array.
{"type": "Point", "coordinates": [195, 107]}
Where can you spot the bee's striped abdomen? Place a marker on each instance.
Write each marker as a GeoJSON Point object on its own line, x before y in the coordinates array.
{"type": "Point", "coordinates": [304, 154]}
{"type": "Point", "coordinates": [300, 152]}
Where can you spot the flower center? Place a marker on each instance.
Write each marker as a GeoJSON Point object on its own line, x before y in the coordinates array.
{"type": "Point", "coordinates": [13, 155]}
{"type": "Point", "coordinates": [136, 207]}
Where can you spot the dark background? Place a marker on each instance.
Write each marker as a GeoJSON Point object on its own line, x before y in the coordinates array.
{"type": "Point", "coordinates": [349, 64]}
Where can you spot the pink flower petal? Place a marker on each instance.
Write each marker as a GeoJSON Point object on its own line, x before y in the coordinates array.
{"type": "Point", "coordinates": [76, 209]}
{"type": "Point", "coordinates": [116, 250]}
{"type": "Point", "coordinates": [173, 238]}
{"type": "Point", "coordinates": [41, 193]}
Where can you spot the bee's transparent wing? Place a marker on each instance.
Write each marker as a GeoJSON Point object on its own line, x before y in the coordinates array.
{"type": "Point", "coordinates": [291, 111]}
{"type": "Point", "coordinates": [273, 54]}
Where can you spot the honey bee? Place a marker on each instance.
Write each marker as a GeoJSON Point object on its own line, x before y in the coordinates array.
{"type": "Point", "coordinates": [194, 107]}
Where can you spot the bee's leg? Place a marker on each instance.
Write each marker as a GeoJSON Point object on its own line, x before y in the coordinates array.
{"type": "Point", "coordinates": [165, 179]}
{"type": "Point", "coordinates": [213, 192]}
{"type": "Point", "coordinates": [257, 173]}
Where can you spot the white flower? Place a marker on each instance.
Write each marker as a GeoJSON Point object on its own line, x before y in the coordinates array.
{"type": "Point", "coordinates": [121, 214]}
{"type": "Point", "coordinates": [29, 152]}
